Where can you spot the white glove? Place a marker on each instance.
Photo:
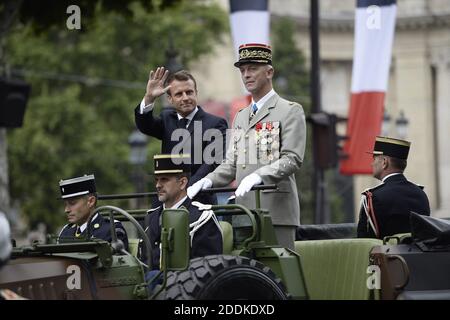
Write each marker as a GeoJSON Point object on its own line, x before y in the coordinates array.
{"type": "Point", "coordinates": [201, 184]}
{"type": "Point", "coordinates": [247, 183]}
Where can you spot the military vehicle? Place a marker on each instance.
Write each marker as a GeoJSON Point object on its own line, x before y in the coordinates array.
{"type": "Point", "coordinates": [328, 262]}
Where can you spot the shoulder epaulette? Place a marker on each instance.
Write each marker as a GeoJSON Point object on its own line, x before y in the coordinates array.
{"type": "Point", "coordinates": [373, 188]}
{"type": "Point", "coordinates": [152, 209]}
{"type": "Point", "coordinates": [107, 219]}
{"type": "Point", "coordinates": [201, 206]}
{"type": "Point", "coordinates": [68, 226]}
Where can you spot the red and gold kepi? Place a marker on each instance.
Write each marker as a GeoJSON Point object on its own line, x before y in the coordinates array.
{"type": "Point", "coordinates": [391, 147]}
{"type": "Point", "coordinates": [254, 53]}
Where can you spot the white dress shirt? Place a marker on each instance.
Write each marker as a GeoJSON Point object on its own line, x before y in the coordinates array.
{"type": "Point", "coordinates": [263, 100]}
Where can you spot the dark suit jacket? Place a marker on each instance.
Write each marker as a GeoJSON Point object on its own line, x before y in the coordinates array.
{"type": "Point", "coordinates": [100, 228]}
{"type": "Point", "coordinates": [207, 240]}
{"type": "Point", "coordinates": [392, 202]}
{"type": "Point", "coordinates": [162, 127]}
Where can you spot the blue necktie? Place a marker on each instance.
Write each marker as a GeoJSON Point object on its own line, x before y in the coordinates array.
{"type": "Point", "coordinates": [254, 110]}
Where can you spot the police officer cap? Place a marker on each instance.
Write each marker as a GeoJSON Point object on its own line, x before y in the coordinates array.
{"type": "Point", "coordinates": [77, 187]}
{"type": "Point", "coordinates": [172, 163]}
{"type": "Point", "coordinates": [391, 147]}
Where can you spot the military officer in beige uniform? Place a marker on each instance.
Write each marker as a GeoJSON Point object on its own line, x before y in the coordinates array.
{"type": "Point", "coordinates": [267, 146]}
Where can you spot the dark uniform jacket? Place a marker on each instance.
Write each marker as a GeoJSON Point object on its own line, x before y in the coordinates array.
{"type": "Point", "coordinates": [100, 228]}
{"type": "Point", "coordinates": [162, 127]}
{"type": "Point", "coordinates": [207, 240]}
{"type": "Point", "coordinates": [391, 204]}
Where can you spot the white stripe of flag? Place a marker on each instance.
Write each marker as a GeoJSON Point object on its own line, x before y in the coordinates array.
{"type": "Point", "coordinates": [250, 22]}
{"type": "Point", "coordinates": [374, 33]}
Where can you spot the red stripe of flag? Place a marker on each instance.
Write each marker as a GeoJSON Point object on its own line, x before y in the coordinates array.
{"type": "Point", "coordinates": [366, 113]}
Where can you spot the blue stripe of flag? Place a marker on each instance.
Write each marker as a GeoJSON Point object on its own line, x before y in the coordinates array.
{"type": "Point", "coordinates": [380, 3]}
{"type": "Point", "coordinates": [248, 5]}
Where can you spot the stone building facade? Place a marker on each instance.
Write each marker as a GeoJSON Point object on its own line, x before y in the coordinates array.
{"type": "Point", "coordinates": [419, 81]}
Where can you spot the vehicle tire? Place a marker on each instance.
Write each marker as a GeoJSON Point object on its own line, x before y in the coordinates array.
{"type": "Point", "coordinates": [224, 277]}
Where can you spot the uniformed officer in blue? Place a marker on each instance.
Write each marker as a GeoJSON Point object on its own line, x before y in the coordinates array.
{"type": "Point", "coordinates": [80, 199]}
{"type": "Point", "coordinates": [385, 209]}
{"type": "Point", "coordinates": [171, 178]}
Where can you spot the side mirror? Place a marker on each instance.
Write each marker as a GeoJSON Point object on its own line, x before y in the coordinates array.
{"type": "Point", "coordinates": [175, 240]}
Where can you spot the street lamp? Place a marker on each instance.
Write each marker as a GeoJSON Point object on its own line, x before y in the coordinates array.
{"type": "Point", "coordinates": [137, 142]}
{"type": "Point", "coordinates": [401, 124]}
{"type": "Point", "coordinates": [173, 65]}
{"type": "Point", "coordinates": [386, 124]}
{"type": "Point", "coordinates": [138, 157]}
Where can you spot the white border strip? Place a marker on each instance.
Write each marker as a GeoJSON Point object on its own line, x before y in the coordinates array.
{"type": "Point", "coordinates": [75, 194]}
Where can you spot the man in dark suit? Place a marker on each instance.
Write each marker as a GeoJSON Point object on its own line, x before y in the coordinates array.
{"type": "Point", "coordinates": [171, 179]}
{"type": "Point", "coordinates": [385, 209]}
{"type": "Point", "coordinates": [186, 128]}
{"type": "Point", "coordinates": [80, 199]}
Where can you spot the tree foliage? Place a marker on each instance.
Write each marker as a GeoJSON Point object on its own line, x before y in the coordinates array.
{"type": "Point", "coordinates": [44, 14]}
{"type": "Point", "coordinates": [85, 86]}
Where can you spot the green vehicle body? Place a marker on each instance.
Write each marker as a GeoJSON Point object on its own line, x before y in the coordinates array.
{"type": "Point", "coordinates": [252, 263]}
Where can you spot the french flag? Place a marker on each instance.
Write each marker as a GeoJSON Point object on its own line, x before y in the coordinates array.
{"type": "Point", "coordinates": [374, 34]}
{"type": "Point", "coordinates": [250, 23]}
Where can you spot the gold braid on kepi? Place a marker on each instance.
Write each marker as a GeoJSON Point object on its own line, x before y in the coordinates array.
{"type": "Point", "coordinates": [254, 53]}
{"type": "Point", "coordinates": [391, 147]}
{"type": "Point", "coordinates": [172, 163]}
